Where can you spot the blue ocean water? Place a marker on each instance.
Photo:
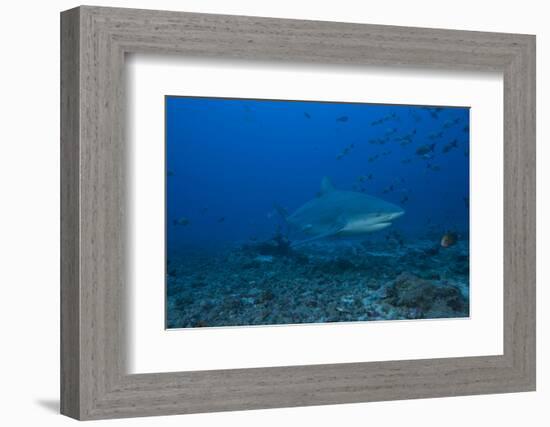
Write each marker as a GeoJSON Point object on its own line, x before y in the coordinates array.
{"type": "Point", "coordinates": [237, 169]}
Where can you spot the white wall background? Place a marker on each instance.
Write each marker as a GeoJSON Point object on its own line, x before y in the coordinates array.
{"type": "Point", "coordinates": [29, 224]}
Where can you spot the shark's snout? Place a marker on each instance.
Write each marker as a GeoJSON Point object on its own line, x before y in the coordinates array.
{"type": "Point", "coordinates": [389, 216]}
{"type": "Point", "coordinates": [397, 214]}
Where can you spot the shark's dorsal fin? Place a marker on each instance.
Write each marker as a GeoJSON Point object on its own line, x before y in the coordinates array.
{"type": "Point", "coordinates": [326, 186]}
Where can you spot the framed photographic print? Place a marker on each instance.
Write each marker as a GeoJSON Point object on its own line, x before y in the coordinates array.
{"type": "Point", "coordinates": [247, 202]}
{"type": "Point", "coordinates": [237, 255]}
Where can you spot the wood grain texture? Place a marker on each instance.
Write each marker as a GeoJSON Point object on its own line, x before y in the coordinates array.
{"type": "Point", "coordinates": [70, 314]}
{"type": "Point", "coordinates": [94, 381]}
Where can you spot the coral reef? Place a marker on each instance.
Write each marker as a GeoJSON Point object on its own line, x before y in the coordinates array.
{"type": "Point", "coordinates": [271, 282]}
{"type": "Point", "coordinates": [429, 298]}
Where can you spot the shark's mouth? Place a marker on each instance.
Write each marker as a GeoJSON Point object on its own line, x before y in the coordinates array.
{"type": "Point", "coordinates": [379, 226]}
{"type": "Point", "coordinates": [360, 227]}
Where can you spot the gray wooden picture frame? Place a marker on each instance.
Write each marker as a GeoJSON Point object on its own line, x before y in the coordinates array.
{"type": "Point", "coordinates": [94, 381]}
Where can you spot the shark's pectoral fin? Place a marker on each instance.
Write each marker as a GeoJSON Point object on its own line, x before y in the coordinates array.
{"type": "Point", "coordinates": [332, 231]}
{"type": "Point", "coordinates": [311, 239]}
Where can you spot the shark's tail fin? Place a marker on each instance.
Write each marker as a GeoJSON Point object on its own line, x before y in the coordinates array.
{"type": "Point", "coordinates": [281, 211]}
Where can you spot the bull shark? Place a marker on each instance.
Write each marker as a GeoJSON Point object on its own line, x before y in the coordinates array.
{"type": "Point", "coordinates": [336, 213]}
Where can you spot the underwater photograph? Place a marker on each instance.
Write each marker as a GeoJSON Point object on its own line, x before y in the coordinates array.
{"type": "Point", "coordinates": [286, 212]}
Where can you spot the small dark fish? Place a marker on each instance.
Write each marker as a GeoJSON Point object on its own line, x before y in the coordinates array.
{"type": "Point", "coordinates": [406, 161]}
{"type": "Point", "coordinates": [425, 149]}
{"type": "Point", "coordinates": [181, 221]}
{"type": "Point", "coordinates": [221, 219]}
{"type": "Point", "coordinates": [466, 153]}
{"type": "Point", "coordinates": [378, 141]}
{"type": "Point", "coordinates": [345, 151]}
{"type": "Point", "coordinates": [308, 116]}
{"type": "Point", "coordinates": [390, 131]}
{"type": "Point", "coordinates": [466, 129]}
{"type": "Point", "coordinates": [466, 200]}
{"type": "Point", "coordinates": [404, 199]}
{"type": "Point", "coordinates": [449, 239]}
{"type": "Point", "coordinates": [434, 168]}
{"type": "Point", "coordinates": [204, 210]}
{"type": "Point", "coordinates": [415, 116]}
{"type": "Point", "coordinates": [450, 123]}
{"type": "Point", "coordinates": [373, 158]}
{"type": "Point", "coordinates": [170, 173]}
{"type": "Point", "coordinates": [433, 111]}
{"type": "Point", "coordinates": [392, 116]}
{"type": "Point", "coordinates": [407, 138]}
{"type": "Point", "coordinates": [364, 178]}
{"type": "Point", "coordinates": [448, 147]}
{"type": "Point", "coordinates": [436, 135]}
{"type": "Point", "coordinates": [388, 189]}
{"type": "Point", "coordinates": [342, 119]}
